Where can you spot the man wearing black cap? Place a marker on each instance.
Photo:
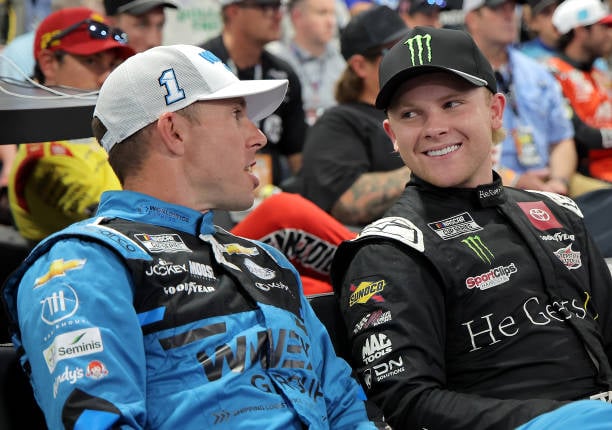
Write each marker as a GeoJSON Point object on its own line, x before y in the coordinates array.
{"type": "Point", "coordinates": [545, 35]}
{"type": "Point", "coordinates": [470, 305]}
{"type": "Point", "coordinates": [349, 167]}
{"type": "Point", "coordinates": [142, 20]}
{"type": "Point", "coordinates": [421, 12]}
{"type": "Point", "coordinates": [248, 26]}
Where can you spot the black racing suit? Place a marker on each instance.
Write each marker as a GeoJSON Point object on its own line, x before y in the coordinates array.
{"type": "Point", "coordinates": [476, 308]}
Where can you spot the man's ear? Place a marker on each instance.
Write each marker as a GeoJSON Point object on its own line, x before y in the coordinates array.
{"type": "Point", "coordinates": [498, 103]}
{"type": "Point", "coordinates": [357, 63]}
{"type": "Point", "coordinates": [48, 63]}
{"type": "Point", "coordinates": [172, 129]}
{"type": "Point", "coordinates": [390, 133]}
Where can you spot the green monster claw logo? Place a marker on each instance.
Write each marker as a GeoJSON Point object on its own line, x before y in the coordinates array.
{"type": "Point", "coordinates": [481, 250]}
{"type": "Point", "coordinates": [417, 45]}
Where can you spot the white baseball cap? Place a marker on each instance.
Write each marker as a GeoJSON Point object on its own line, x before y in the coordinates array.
{"type": "Point", "coordinates": [169, 78]}
{"type": "Point", "coordinates": [579, 13]}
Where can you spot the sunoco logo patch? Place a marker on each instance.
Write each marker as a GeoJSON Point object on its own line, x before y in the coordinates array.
{"type": "Point", "coordinates": [366, 291]}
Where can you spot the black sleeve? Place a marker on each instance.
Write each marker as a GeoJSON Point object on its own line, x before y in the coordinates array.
{"type": "Point", "coordinates": [294, 127]}
{"type": "Point", "coordinates": [393, 303]}
{"type": "Point", "coordinates": [586, 137]}
{"type": "Point", "coordinates": [334, 157]}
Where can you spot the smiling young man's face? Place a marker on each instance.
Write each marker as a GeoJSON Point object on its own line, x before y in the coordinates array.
{"type": "Point", "coordinates": [442, 127]}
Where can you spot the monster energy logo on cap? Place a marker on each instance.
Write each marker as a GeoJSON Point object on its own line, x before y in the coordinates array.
{"type": "Point", "coordinates": [481, 250]}
{"type": "Point", "coordinates": [420, 46]}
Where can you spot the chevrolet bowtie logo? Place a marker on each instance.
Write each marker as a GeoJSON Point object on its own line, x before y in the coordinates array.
{"type": "Point", "coordinates": [58, 268]}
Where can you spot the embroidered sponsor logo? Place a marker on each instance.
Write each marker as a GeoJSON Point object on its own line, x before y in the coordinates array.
{"type": "Point", "coordinates": [389, 368]}
{"type": "Point", "coordinates": [96, 370]}
{"type": "Point", "coordinates": [165, 268]}
{"type": "Point", "coordinates": [59, 268]}
{"type": "Point", "coordinates": [60, 304]}
{"type": "Point", "coordinates": [492, 278]}
{"type": "Point", "coordinates": [268, 286]}
{"type": "Point", "coordinates": [489, 192]}
{"type": "Point", "coordinates": [420, 49]}
{"type": "Point", "coordinates": [188, 288]}
{"type": "Point", "coordinates": [564, 201]}
{"type": "Point", "coordinates": [73, 344]}
{"type": "Point", "coordinates": [68, 375]}
{"type": "Point", "coordinates": [169, 214]}
{"type": "Point", "coordinates": [559, 237]}
{"type": "Point", "coordinates": [162, 242]}
{"type": "Point", "coordinates": [366, 291]}
{"type": "Point", "coordinates": [201, 270]}
{"type": "Point", "coordinates": [260, 272]}
{"type": "Point", "coordinates": [235, 248]}
{"type": "Point", "coordinates": [570, 258]}
{"type": "Point", "coordinates": [372, 319]}
{"type": "Point", "coordinates": [376, 346]}
{"type": "Point", "coordinates": [481, 250]}
{"type": "Point", "coordinates": [120, 239]}
{"type": "Point", "coordinates": [539, 215]}
{"type": "Point", "coordinates": [455, 226]}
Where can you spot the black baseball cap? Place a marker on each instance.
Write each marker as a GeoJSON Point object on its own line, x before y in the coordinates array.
{"type": "Point", "coordinates": [470, 5]}
{"type": "Point", "coordinates": [538, 6]}
{"type": "Point", "coordinates": [427, 49]}
{"type": "Point", "coordinates": [427, 7]}
{"type": "Point", "coordinates": [135, 7]}
{"type": "Point", "coordinates": [370, 29]}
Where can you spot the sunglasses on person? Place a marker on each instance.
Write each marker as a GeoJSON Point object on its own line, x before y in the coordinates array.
{"type": "Point", "coordinates": [265, 7]}
{"type": "Point", "coordinates": [97, 30]}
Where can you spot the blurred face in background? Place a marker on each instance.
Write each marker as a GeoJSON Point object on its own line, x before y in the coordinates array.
{"type": "Point", "coordinates": [144, 31]}
{"type": "Point", "coordinates": [598, 41]}
{"type": "Point", "coordinates": [85, 72]}
{"type": "Point", "coordinates": [497, 25]}
{"type": "Point", "coordinates": [257, 20]}
{"type": "Point", "coordinates": [541, 24]}
{"type": "Point", "coordinates": [315, 20]}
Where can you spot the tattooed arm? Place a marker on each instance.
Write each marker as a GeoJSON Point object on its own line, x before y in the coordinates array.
{"type": "Point", "coordinates": [370, 196]}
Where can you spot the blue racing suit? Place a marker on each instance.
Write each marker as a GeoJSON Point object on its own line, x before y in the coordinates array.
{"type": "Point", "coordinates": [149, 316]}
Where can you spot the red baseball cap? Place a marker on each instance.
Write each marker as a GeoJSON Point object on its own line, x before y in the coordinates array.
{"type": "Point", "coordinates": [79, 31]}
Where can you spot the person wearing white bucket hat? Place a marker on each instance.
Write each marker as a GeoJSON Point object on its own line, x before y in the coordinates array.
{"type": "Point", "coordinates": [148, 315]}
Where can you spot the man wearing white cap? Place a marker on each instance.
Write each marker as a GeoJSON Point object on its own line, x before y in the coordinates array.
{"type": "Point", "coordinates": [149, 316]}
{"type": "Point", "coordinates": [586, 35]}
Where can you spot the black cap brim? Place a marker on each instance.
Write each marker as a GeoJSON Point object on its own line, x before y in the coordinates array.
{"type": "Point", "coordinates": [140, 7]}
{"type": "Point", "coordinates": [388, 91]}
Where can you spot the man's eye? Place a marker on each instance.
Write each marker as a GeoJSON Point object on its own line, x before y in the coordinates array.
{"type": "Point", "coordinates": [451, 104]}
